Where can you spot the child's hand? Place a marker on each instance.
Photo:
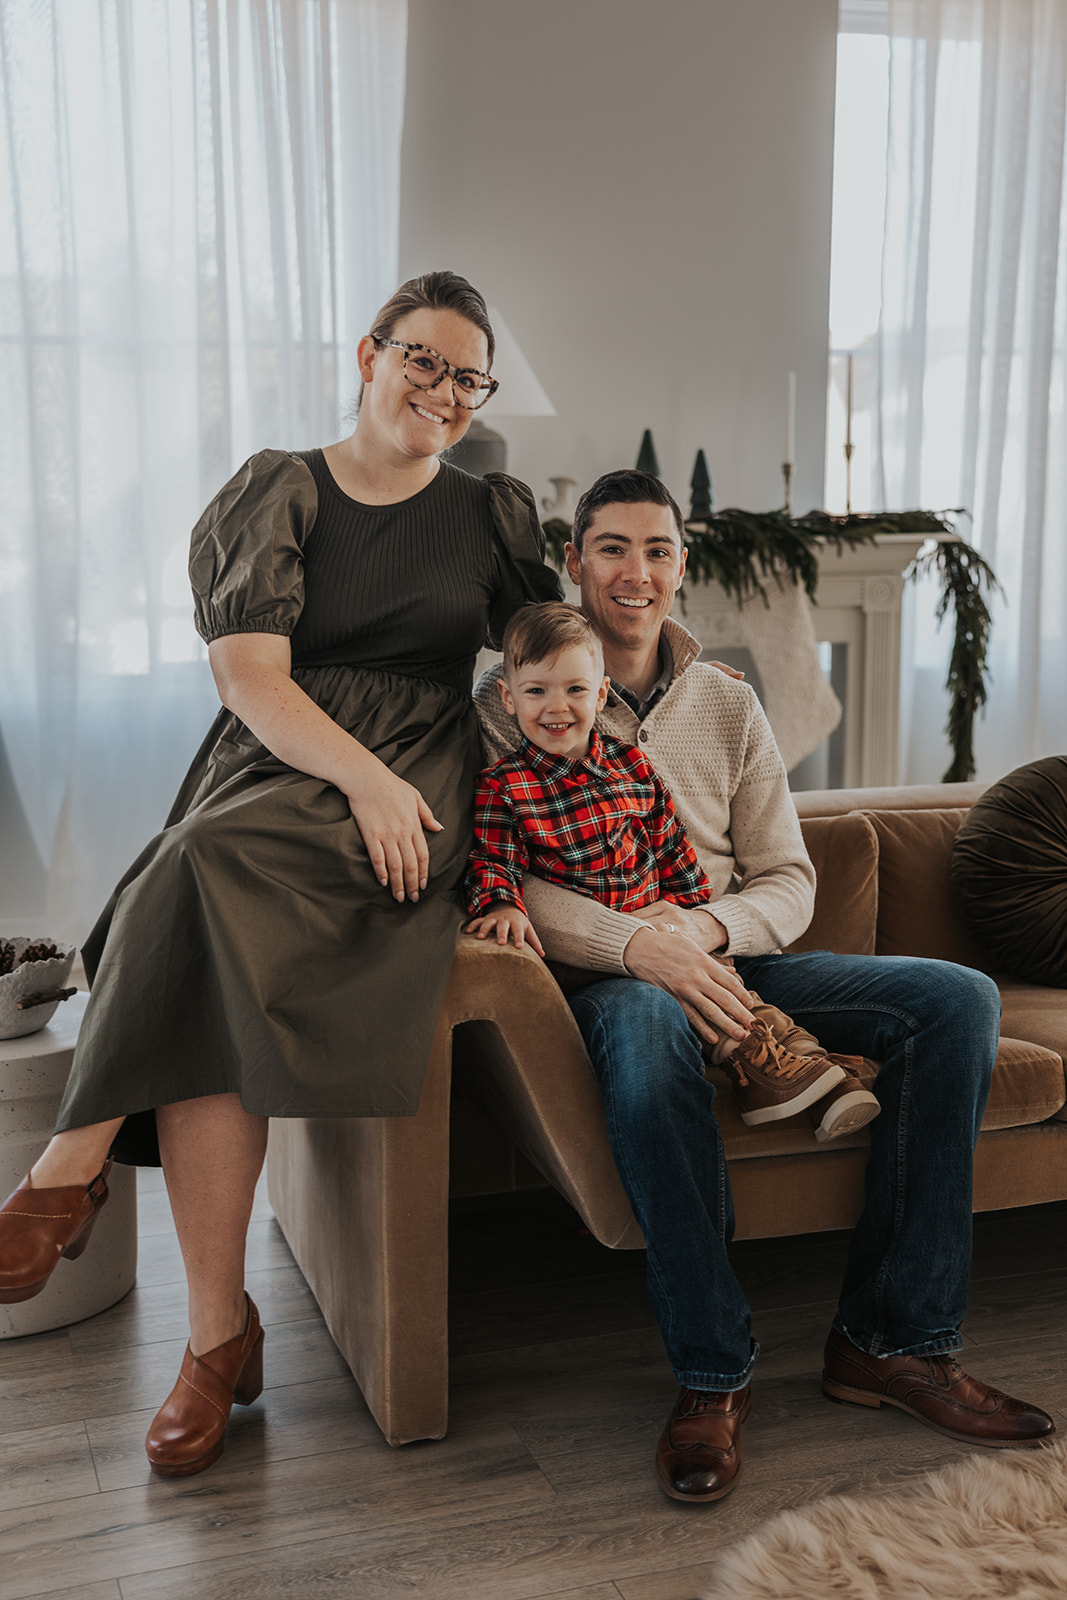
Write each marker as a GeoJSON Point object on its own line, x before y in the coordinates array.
{"type": "Point", "coordinates": [509, 922]}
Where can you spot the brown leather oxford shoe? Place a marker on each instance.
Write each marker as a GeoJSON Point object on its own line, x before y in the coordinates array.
{"type": "Point", "coordinates": [38, 1227]}
{"type": "Point", "coordinates": [187, 1432]}
{"type": "Point", "coordinates": [699, 1451]}
{"type": "Point", "coordinates": [934, 1390]}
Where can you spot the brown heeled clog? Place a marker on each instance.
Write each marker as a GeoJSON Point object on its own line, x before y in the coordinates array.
{"type": "Point", "coordinates": [187, 1432]}
{"type": "Point", "coordinates": [40, 1226]}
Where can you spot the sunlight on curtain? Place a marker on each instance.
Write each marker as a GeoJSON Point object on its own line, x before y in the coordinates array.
{"type": "Point", "coordinates": [198, 214]}
{"type": "Point", "coordinates": [968, 395]}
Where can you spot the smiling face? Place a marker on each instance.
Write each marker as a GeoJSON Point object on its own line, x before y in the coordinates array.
{"type": "Point", "coordinates": [629, 569]}
{"type": "Point", "coordinates": [556, 701]}
{"type": "Point", "coordinates": [416, 422]}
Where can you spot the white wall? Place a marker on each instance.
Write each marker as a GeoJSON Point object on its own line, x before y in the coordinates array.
{"type": "Point", "coordinates": [643, 187]}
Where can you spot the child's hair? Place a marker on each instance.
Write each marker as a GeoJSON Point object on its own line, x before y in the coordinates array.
{"type": "Point", "coordinates": [540, 632]}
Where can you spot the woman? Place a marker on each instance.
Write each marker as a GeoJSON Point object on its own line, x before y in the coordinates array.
{"type": "Point", "coordinates": [282, 948]}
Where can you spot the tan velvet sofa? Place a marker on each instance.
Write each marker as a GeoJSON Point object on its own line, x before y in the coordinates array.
{"type": "Point", "coordinates": [510, 1099]}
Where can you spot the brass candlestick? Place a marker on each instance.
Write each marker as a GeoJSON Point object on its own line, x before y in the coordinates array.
{"type": "Point", "coordinates": [849, 448]}
{"type": "Point", "coordinates": [787, 474]}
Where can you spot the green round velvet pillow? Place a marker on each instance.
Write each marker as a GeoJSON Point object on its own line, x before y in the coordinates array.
{"type": "Point", "coordinates": [1009, 871]}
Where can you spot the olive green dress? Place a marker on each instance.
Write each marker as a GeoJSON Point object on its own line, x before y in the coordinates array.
{"type": "Point", "coordinates": [250, 948]}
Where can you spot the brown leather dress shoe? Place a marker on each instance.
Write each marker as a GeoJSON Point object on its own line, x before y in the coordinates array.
{"type": "Point", "coordinates": [699, 1451]}
{"type": "Point", "coordinates": [934, 1390]}
{"type": "Point", "coordinates": [187, 1432]}
{"type": "Point", "coordinates": [40, 1226]}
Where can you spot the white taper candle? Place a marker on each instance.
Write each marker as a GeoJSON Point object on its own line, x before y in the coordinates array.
{"type": "Point", "coordinates": [848, 400]}
{"type": "Point", "coordinates": [791, 421]}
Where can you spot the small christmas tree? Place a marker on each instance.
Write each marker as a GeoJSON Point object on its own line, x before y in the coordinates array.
{"type": "Point", "coordinates": [702, 502]}
{"type": "Point", "coordinates": [646, 456]}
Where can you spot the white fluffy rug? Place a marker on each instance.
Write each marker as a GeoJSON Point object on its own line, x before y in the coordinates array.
{"type": "Point", "coordinates": [992, 1527]}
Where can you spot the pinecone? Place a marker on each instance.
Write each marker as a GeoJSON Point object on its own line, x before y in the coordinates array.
{"type": "Point", "coordinates": [39, 952]}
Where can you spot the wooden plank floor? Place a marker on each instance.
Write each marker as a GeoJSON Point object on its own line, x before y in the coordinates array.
{"type": "Point", "coordinates": [543, 1486]}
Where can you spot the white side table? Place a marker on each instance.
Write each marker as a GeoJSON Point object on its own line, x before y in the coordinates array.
{"type": "Point", "coordinates": [33, 1075]}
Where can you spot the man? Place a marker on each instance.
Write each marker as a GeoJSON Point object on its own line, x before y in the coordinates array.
{"type": "Point", "coordinates": [933, 1027]}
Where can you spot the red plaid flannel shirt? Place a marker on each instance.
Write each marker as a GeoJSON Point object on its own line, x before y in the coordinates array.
{"type": "Point", "coordinates": [603, 825]}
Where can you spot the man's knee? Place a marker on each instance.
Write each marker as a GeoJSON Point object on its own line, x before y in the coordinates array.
{"type": "Point", "coordinates": [963, 1011]}
{"type": "Point", "coordinates": [970, 997]}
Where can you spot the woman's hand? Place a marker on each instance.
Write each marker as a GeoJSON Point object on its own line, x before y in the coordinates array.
{"type": "Point", "coordinates": [508, 922]}
{"type": "Point", "coordinates": [393, 819]}
{"type": "Point", "coordinates": [253, 672]}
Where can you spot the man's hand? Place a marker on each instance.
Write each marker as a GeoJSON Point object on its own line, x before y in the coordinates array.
{"type": "Point", "coordinates": [509, 923]}
{"type": "Point", "coordinates": [712, 997]}
{"type": "Point", "coordinates": [704, 929]}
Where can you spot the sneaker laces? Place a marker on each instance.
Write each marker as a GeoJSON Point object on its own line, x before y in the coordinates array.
{"type": "Point", "coordinates": [763, 1051]}
{"type": "Point", "coordinates": [796, 1035]}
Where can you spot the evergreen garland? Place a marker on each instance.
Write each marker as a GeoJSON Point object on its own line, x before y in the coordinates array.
{"type": "Point", "coordinates": [739, 549]}
{"type": "Point", "coordinates": [963, 576]}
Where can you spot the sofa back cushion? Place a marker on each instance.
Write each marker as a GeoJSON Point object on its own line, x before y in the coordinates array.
{"type": "Point", "coordinates": [844, 853]}
{"type": "Point", "coordinates": [917, 913]}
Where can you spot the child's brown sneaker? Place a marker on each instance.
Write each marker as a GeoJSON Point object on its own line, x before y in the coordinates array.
{"type": "Point", "coordinates": [771, 1082]}
{"type": "Point", "coordinates": [849, 1106]}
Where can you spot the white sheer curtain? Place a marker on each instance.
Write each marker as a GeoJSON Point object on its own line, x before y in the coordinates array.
{"type": "Point", "coordinates": [198, 214]}
{"type": "Point", "coordinates": [969, 404]}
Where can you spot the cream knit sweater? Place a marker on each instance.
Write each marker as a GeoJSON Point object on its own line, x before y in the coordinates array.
{"type": "Point", "coordinates": [711, 744]}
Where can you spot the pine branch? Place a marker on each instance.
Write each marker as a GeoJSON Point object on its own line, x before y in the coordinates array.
{"type": "Point", "coordinates": [964, 575]}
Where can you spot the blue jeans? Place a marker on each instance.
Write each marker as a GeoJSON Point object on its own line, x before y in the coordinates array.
{"type": "Point", "coordinates": [934, 1028]}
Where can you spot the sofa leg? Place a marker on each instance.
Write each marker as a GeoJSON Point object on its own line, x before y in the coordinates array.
{"type": "Point", "coordinates": [363, 1204]}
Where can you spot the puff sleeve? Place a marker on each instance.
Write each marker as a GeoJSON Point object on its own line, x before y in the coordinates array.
{"type": "Point", "coordinates": [520, 551]}
{"type": "Point", "coordinates": [246, 557]}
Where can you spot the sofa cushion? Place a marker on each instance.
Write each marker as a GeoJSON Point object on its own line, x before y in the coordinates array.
{"type": "Point", "coordinates": [844, 853]}
{"type": "Point", "coordinates": [1009, 871]}
{"type": "Point", "coordinates": [1028, 1085]}
{"type": "Point", "coordinates": [1035, 1012]}
{"type": "Point", "coordinates": [917, 915]}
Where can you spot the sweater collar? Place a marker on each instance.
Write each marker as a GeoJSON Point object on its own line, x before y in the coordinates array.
{"type": "Point", "coordinates": [684, 651]}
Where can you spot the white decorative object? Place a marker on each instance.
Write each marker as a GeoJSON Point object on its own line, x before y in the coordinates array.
{"type": "Point", "coordinates": [33, 1075]}
{"type": "Point", "coordinates": [30, 978]}
{"type": "Point", "coordinates": [858, 606]}
{"type": "Point", "coordinates": [801, 707]}
{"type": "Point", "coordinates": [791, 422]}
{"type": "Point", "coordinates": [563, 502]}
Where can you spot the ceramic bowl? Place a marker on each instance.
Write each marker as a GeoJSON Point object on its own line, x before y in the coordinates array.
{"type": "Point", "coordinates": [27, 979]}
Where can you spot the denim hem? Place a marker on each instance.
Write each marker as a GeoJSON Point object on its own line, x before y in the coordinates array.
{"type": "Point", "coordinates": [718, 1382]}
{"type": "Point", "coordinates": [947, 1343]}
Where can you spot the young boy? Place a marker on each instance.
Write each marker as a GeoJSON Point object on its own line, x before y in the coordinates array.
{"type": "Point", "coordinates": [586, 811]}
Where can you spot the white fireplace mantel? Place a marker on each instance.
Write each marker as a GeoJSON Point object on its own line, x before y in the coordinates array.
{"type": "Point", "coordinates": [858, 606]}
